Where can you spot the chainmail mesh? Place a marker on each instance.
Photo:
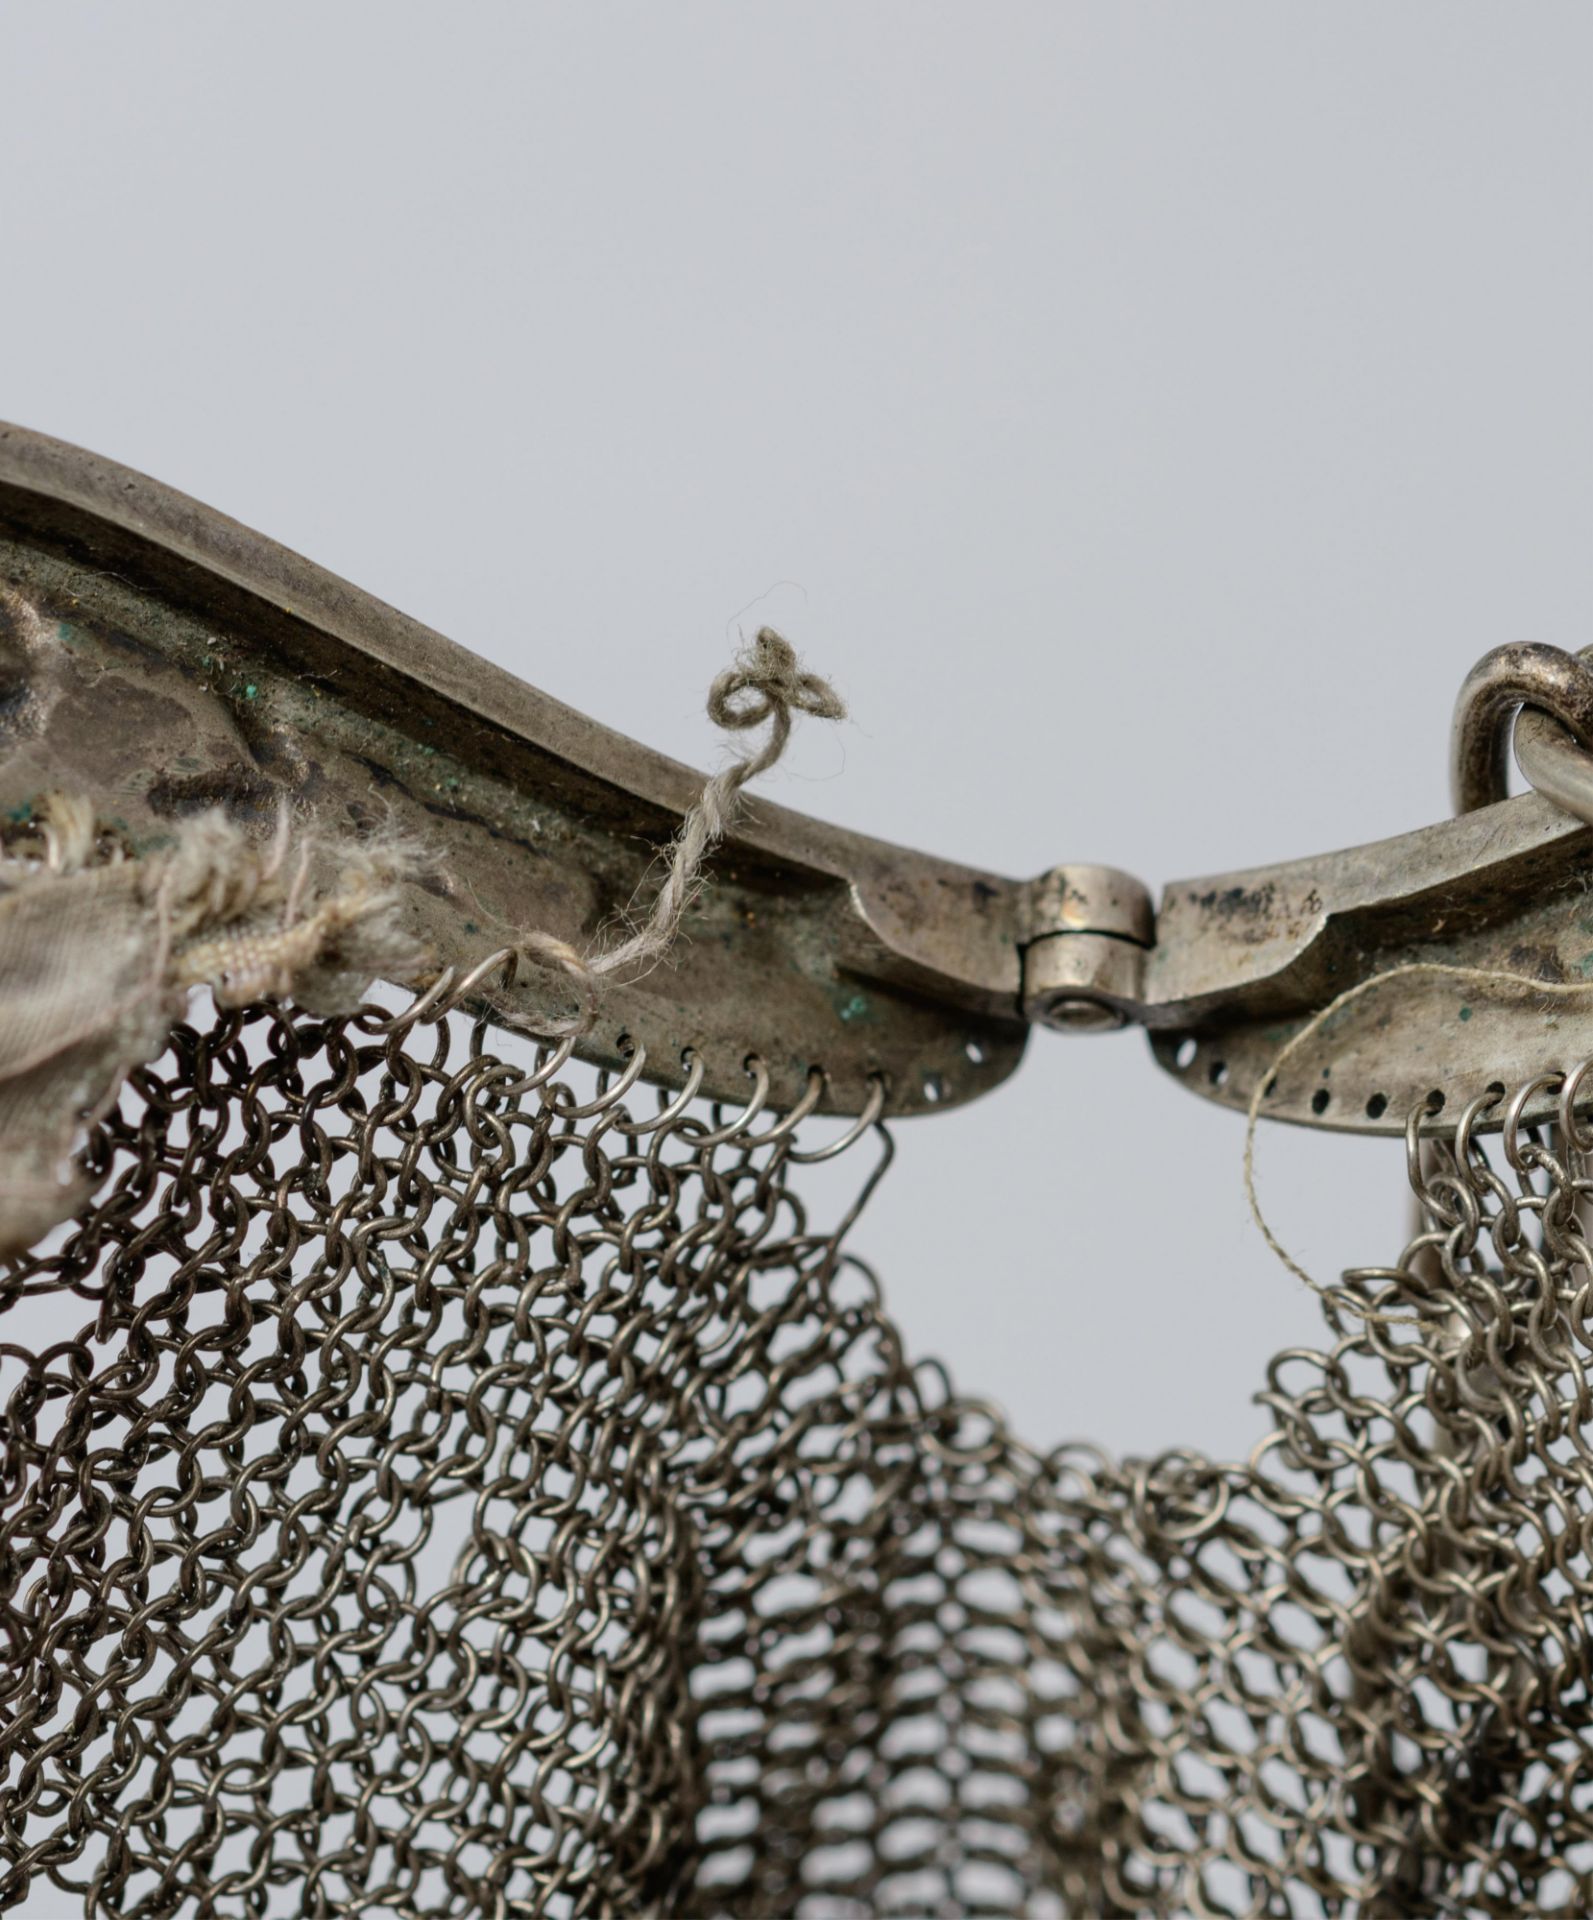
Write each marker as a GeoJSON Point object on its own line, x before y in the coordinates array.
{"type": "Point", "coordinates": [432, 1487]}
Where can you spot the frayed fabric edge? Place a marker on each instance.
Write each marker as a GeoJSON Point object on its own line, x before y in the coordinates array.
{"type": "Point", "coordinates": [100, 950]}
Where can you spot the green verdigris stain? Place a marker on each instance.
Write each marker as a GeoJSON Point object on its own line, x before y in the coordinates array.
{"type": "Point", "coordinates": [1465, 1013]}
{"type": "Point", "coordinates": [856, 1008]}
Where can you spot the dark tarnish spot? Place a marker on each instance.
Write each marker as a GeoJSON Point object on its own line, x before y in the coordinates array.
{"type": "Point", "coordinates": [1538, 963]}
{"type": "Point", "coordinates": [1247, 913]}
{"type": "Point", "coordinates": [383, 777]}
{"type": "Point", "coordinates": [243, 791]}
{"type": "Point", "coordinates": [116, 640]}
{"type": "Point", "coordinates": [493, 832]}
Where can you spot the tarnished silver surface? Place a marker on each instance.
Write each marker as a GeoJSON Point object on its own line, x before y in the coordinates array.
{"type": "Point", "coordinates": [1243, 961]}
{"type": "Point", "coordinates": [444, 1480]}
{"type": "Point", "coordinates": [173, 660]}
{"type": "Point", "coordinates": [160, 658]}
{"type": "Point", "coordinates": [1548, 680]}
{"type": "Point", "coordinates": [435, 1485]}
{"type": "Point", "coordinates": [1556, 765]}
{"type": "Point", "coordinates": [1424, 970]}
{"type": "Point", "coordinates": [1089, 929]}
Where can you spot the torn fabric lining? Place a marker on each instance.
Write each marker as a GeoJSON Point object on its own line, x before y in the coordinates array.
{"type": "Point", "coordinates": [100, 951]}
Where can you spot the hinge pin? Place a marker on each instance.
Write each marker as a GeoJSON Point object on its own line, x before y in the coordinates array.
{"type": "Point", "coordinates": [1088, 931]}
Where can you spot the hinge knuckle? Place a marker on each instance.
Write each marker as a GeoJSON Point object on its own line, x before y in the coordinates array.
{"type": "Point", "coordinates": [1087, 934]}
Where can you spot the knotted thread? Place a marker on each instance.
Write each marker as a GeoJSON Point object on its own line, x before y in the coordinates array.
{"type": "Point", "coordinates": [766, 683]}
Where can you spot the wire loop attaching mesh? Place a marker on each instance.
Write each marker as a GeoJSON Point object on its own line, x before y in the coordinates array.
{"type": "Point", "coordinates": [439, 1481]}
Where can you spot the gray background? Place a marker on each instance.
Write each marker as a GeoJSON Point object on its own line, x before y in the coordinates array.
{"type": "Point", "coordinates": [1146, 415]}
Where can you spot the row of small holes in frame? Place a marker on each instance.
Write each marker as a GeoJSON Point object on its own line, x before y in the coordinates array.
{"type": "Point", "coordinates": [934, 1083]}
{"type": "Point", "coordinates": [1217, 1073]}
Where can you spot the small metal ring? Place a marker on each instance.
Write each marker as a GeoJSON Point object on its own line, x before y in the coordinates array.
{"type": "Point", "coordinates": [539, 1076]}
{"type": "Point", "coordinates": [434, 1002]}
{"type": "Point", "coordinates": [757, 1100]}
{"type": "Point", "coordinates": [508, 958]}
{"type": "Point", "coordinates": [610, 1096]}
{"type": "Point", "coordinates": [695, 1069]}
{"type": "Point", "coordinates": [1466, 1126]}
{"type": "Point", "coordinates": [1511, 1127]}
{"type": "Point", "coordinates": [1570, 1127]}
{"type": "Point", "coordinates": [873, 1107]}
{"type": "Point", "coordinates": [810, 1099]}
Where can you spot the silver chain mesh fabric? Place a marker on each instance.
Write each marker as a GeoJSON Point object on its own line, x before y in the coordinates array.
{"type": "Point", "coordinates": [433, 1488]}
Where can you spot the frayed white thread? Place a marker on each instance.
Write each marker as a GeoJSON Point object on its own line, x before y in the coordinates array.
{"type": "Point", "coordinates": [100, 950]}
{"type": "Point", "coordinates": [766, 684]}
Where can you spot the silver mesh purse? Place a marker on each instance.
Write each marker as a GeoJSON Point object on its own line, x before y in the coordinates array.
{"type": "Point", "coordinates": [455, 1466]}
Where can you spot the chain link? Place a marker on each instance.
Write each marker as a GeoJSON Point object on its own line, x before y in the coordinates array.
{"type": "Point", "coordinates": [439, 1484]}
